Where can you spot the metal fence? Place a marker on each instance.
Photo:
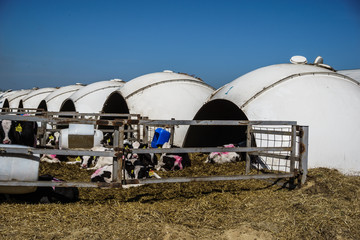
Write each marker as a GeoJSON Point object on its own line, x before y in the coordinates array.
{"type": "Point", "coordinates": [276, 149]}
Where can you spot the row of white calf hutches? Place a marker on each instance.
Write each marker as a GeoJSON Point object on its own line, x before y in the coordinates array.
{"type": "Point", "coordinates": [311, 94]}
{"type": "Point", "coordinates": [91, 98]}
{"type": "Point", "coordinates": [54, 100]}
{"type": "Point", "coordinates": [162, 96]}
{"type": "Point", "coordinates": [12, 100]}
{"type": "Point", "coordinates": [33, 99]}
{"type": "Point", "coordinates": [4, 102]}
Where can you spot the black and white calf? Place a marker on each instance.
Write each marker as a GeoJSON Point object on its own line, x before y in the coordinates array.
{"type": "Point", "coordinates": [108, 139]}
{"type": "Point", "coordinates": [28, 132]}
{"type": "Point", "coordinates": [8, 135]}
{"type": "Point", "coordinates": [102, 174]}
{"type": "Point", "coordinates": [97, 161]}
{"type": "Point", "coordinates": [137, 166]}
{"type": "Point", "coordinates": [170, 162]}
{"type": "Point", "coordinates": [52, 139]}
{"type": "Point", "coordinates": [18, 132]}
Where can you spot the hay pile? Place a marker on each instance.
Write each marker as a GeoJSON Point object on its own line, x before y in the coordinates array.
{"type": "Point", "coordinates": [327, 207]}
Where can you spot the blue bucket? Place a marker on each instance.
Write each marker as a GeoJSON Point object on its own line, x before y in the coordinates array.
{"type": "Point", "coordinates": [161, 136]}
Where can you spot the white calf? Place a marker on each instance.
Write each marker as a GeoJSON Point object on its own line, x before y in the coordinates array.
{"type": "Point", "coordinates": [223, 157]}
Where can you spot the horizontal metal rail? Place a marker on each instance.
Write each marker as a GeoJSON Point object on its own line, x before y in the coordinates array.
{"type": "Point", "coordinates": [51, 184]}
{"type": "Point", "coordinates": [209, 149]}
{"type": "Point", "coordinates": [272, 132]}
{"type": "Point", "coordinates": [142, 181]}
{"type": "Point", "coordinates": [120, 122]}
{"type": "Point", "coordinates": [57, 152]}
{"type": "Point", "coordinates": [213, 178]}
{"type": "Point", "coordinates": [272, 155]}
{"type": "Point", "coordinates": [213, 122]}
{"type": "Point", "coordinates": [115, 153]}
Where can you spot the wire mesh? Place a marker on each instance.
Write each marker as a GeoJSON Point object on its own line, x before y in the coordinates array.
{"type": "Point", "coordinates": [274, 136]}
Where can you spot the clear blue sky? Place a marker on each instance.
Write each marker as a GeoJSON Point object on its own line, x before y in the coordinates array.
{"type": "Point", "coordinates": [50, 43]}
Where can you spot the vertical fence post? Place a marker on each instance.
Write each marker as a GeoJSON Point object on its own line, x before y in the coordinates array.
{"type": "Point", "coordinates": [43, 133]}
{"type": "Point", "coordinates": [248, 144]}
{"type": "Point", "coordinates": [138, 129]}
{"type": "Point", "coordinates": [293, 148]}
{"type": "Point", "coordinates": [145, 132]}
{"type": "Point", "coordinates": [115, 159]}
{"type": "Point", "coordinates": [172, 133]}
{"type": "Point", "coordinates": [120, 156]}
{"type": "Point", "coordinates": [303, 152]}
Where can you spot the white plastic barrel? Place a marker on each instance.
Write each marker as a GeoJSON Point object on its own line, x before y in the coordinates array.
{"type": "Point", "coordinates": [80, 136]}
{"type": "Point", "coordinates": [18, 167]}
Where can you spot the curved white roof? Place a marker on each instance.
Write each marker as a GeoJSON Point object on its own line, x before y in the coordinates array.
{"type": "Point", "coordinates": [147, 80]}
{"type": "Point", "coordinates": [166, 95]}
{"type": "Point", "coordinates": [353, 73]}
{"type": "Point", "coordinates": [255, 81]}
{"type": "Point", "coordinates": [91, 98]}
{"type": "Point", "coordinates": [14, 99]}
{"type": "Point", "coordinates": [57, 97]}
{"type": "Point", "coordinates": [315, 96]}
{"type": "Point", "coordinates": [4, 95]}
{"type": "Point", "coordinates": [33, 99]}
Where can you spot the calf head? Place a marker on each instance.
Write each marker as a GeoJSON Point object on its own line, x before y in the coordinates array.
{"type": "Point", "coordinates": [108, 139]}
{"type": "Point", "coordinates": [53, 139]}
{"type": "Point", "coordinates": [168, 162]}
{"type": "Point", "coordinates": [135, 169]}
{"type": "Point", "coordinates": [27, 131]}
{"type": "Point", "coordinates": [8, 135]}
{"type": "Point", "coordinates": [172, 162]}
{"type": "Point", "coordinates": [148, 159]}
{"type": "Point", "coordinates": [87, 161]}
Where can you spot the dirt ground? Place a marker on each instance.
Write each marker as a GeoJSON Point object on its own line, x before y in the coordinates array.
{"type": "Point", "coordinates": [327, 207]}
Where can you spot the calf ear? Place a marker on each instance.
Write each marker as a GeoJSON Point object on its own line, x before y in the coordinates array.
{"type": "Point", "coordinates": [16, 134]}
{"type": "Point", "coordinates": [18, 127]}
{"type": "Point", "coordinates": [2, 133]}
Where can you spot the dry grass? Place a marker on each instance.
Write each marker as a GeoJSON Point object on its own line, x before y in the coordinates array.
{"type": "Point", "coordinates": [327, 207]}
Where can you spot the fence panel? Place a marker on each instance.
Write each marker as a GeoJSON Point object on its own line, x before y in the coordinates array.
{"type": "Point", "coordinates": [272, 149]}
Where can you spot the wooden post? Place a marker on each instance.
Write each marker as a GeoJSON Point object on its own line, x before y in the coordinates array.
{"type": "Point", "coordinates": [293, 148]}
{"type": "Point", "coordinates": [120, 156]}
{"type": "Point", "coordinates": [138, 129]}
{"type": "Point", "coordinates": [115, 176]}
{"type": "Point", "coordinates": [303, 153]}
{"type": "Point", "coordinates": [292, 156]}
{"type": "Point", "coordinates": [248, 144]}
{"type": "Point", "coordinates": [145, 132]}
{"type": "Point", "coordinates": [120, 167]}
{"type": "Point", "coordinates": [42, 134]}
{"type": "Point", "coordinates": [172, 133]}
{"type": "Point", "coordinates": [121, 136]}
